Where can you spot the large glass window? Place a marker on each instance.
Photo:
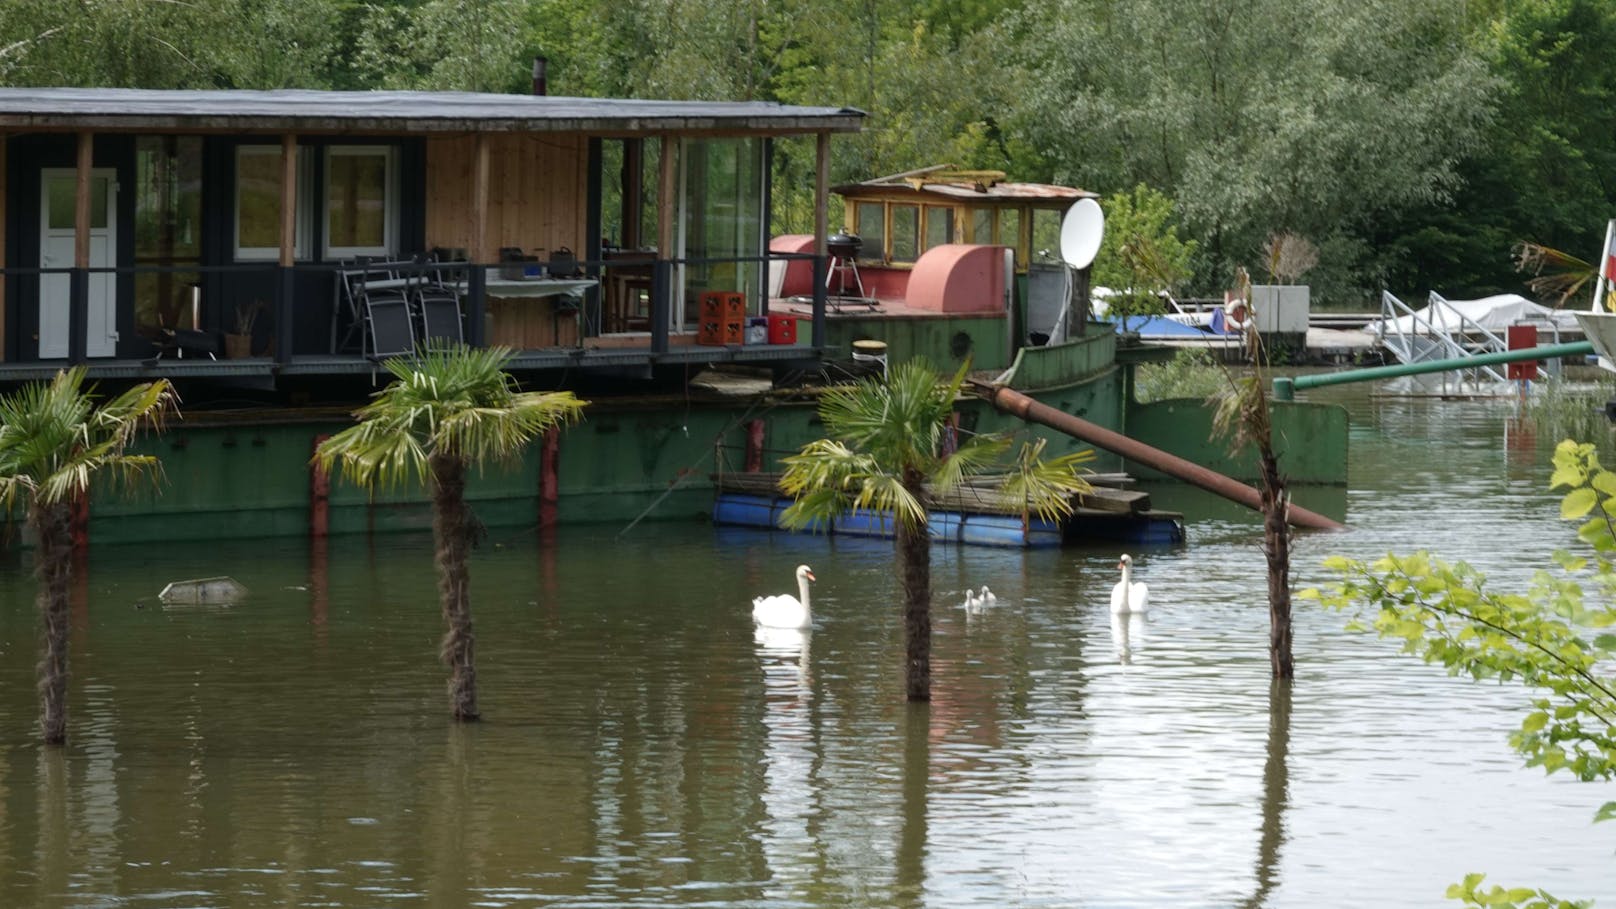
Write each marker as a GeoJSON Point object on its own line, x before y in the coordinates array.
{"type": "Point", "coordinates": [905, 233]}
{"type": "Point", "coordinates": [359, 207]}
{"type": "Point", "coordinates": [168, 218]}
{"type": "Point", "coordinates": [1009, 233]}
{"type": "Point", "coordinates": [258, 202]}
{"type": "Point", "coordinates": [871, 228]}
{"type": "Point", "coordinates": [722, 220]}
{"type": "Point", "coordinates": [939, 226]}
{"type": "Point", "coordinates": [1046, 224]}
{"type": "Point", "coordinates": [982, 226]}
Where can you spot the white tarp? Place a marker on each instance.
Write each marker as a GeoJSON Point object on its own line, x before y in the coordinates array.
{"type": "Point", "coordinates": [1494, 313]}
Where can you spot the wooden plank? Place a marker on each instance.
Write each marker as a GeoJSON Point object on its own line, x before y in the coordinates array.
{"type": "Point", "coordinates": [535, 196]}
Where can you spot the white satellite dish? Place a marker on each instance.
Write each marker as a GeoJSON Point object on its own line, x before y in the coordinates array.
{"type": "Point", "coordinates": [1081, 231]}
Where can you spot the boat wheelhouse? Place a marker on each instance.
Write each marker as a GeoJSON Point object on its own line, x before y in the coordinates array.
{"type": "Point", "coordinates": [942, 259]}
{"type": "Point", "coordinates": [287, 237]}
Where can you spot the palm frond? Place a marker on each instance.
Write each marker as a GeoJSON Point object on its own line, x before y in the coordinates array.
{"type": "Point", "coordinates": [1045, 488]}
{"type": "Point", "coordinates": [447, 400]}
{"type": "Point", "coordinates": [977, 455]}
{"type": "Point", "coordinates": [1557, 275]}
{"type": "Point", "coordinates": [55, 440]}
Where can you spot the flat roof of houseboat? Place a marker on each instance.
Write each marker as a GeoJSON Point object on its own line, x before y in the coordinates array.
{"type": "Point", "coordinates": [967, 186]}
{"type": "Point", "coordinates": [400, 112]}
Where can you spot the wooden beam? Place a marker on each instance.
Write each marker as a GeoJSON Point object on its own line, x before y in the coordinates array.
{"type": "Point", "coordinates": [81, 203]}
{"type": "Point", "coordinates": [667, 195]}
{"type": "Point", "coordinates": [479, 200]}
{"type": "Point", "coordinates": [288, 200]}
{"type": "Point", "coordinates": [4, 207]}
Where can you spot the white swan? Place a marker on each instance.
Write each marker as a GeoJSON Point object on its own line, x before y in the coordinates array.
{"type": "Point", "coordinates": [1129, 595]}
{"type": "Point", "coordinates": [784, 610]}
{"type": "Point", "coordinates": [978, 603]}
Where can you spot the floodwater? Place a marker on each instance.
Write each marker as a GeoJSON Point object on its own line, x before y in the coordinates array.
{"type": "Point", "coordinates": [642, 747]}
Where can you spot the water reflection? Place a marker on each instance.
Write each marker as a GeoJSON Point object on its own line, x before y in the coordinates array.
{"type": "Point", "coordinates": [645, 745]}
{"type": "Point", "coordinates": [1127, 634]}
{"type": "Point", "coordinates": [1276, 791]}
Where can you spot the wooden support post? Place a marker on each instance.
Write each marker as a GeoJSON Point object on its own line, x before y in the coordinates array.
{"type": "Point", "coordinates": [664, 293]}
{"type": "Point", "coordinates": [78, 308]}
{"type": "Point", "coordinates": [754, 446]}
{"type": "Point", "coordinates": [549, 476]}
{"type": "Point", "coordinates": [821, 233]}
{"type": "Point", "coordinates": [319, 493]}
{"type": "Point", "coordinates": [288, 252]}
{"type": "Point", "coordinates": [5, 188]}
{"type": "Point", "coordinates": [476, 301]}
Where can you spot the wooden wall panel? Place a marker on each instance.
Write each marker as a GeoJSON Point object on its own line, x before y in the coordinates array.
{"type": "Point", "coordinates": [536, 192]}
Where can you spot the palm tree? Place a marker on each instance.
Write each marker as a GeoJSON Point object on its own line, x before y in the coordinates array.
{"type": "Point", "coordinates": [54, 442]}
{"type": "Point", "coordinates": [451, 408]}
{"type": "Point", "coordinates": [885, 453]}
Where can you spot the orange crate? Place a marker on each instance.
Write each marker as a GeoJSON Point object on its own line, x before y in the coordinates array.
{"type": "Point", "coordinates": [723, 306]}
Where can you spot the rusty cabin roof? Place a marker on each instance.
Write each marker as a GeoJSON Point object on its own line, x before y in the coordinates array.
{"type": "Point", "coordinates": [301, 110]}
{"type": "Point", "coordinates": [974, 187]}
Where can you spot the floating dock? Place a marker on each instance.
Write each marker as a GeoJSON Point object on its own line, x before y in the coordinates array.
{"type": "Point", "coordinates": [969, 515]}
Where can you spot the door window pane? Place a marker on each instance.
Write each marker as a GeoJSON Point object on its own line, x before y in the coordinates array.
{"type": "Point", "coordinates": [1010, 229]}
{"type": "Point", "coordinates": [63, 193]}
{"type": "Point", "coordinates": [723, 220]}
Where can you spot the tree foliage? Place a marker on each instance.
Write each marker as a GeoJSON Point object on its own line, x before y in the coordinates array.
{"type": "Point", "coordinates": [1413, 142]}
{"type": "Point", "coordinates": [1556, 638]}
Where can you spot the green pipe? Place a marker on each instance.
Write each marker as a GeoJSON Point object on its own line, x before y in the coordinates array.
{"type": "Point", "coordinates": [1285, 387]}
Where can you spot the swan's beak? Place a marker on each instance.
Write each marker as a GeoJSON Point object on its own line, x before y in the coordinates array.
{"type": "Point", "coordinates": [810, 576]}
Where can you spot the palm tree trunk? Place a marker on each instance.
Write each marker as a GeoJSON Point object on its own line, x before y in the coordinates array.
{"type": "Point", "coordinates": [53, 570]}
{"type": "Point", "coordinates": [914, 566]}
{"type": "Point", "coordinates": [452, 538]}
{"type": "Point", "coordinates": [1277, 546]}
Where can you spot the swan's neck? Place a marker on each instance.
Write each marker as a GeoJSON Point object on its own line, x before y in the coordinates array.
{"type": "Point", "coordinates": [1127, 576]}
{"type": "Point", "coordinates": [802, 592]}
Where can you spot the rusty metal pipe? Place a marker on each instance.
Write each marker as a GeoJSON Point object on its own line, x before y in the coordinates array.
{"type": "Point", "coordinates": [1019, 405]}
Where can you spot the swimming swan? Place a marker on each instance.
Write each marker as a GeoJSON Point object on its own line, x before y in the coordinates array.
{"type": "Point", "coordinates": [1129, 595]}
{"type": "Point", "coordinates": [978, 603]}
{"type": "Point", "coordinates": [784, 610]}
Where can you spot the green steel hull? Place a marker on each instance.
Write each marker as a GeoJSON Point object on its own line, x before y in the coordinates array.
{"type": "Point", "coordinates": [632, 458]}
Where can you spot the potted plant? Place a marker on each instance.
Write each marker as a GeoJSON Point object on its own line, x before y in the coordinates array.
{"type": "Point", "coordinates": [238, 344]}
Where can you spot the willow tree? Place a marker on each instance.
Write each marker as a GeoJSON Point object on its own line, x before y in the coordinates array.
{"type": "Point", "coordinates": [450, 409]}
{"type": "Point", "coordinates": [54, 442]}
{"type": "Point", "coordinates": [885, 454]}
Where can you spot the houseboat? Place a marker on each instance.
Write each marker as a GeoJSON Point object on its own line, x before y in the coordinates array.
{"type": "Point", "coordinates": [264, 250]}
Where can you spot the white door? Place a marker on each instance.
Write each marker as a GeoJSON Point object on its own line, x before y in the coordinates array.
{"type": "Point", "coordinates": [58, 187]}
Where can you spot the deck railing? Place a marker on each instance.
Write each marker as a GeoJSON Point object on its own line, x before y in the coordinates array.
{"type": "Point", "coordinates": [300, 313]}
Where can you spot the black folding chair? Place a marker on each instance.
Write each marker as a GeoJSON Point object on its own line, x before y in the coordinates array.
{"type": "Point", "coordinates": [437, 306]}
{"type": "Point", "coordinates": [389, 322]}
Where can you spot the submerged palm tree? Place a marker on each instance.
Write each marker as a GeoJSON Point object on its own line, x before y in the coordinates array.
{"type": "Point", "coordinates": [885, 453]}
{"type": "Point", "coordinates": [54, 442]}
{"type": "Point", "coordinates": [452, 408]}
